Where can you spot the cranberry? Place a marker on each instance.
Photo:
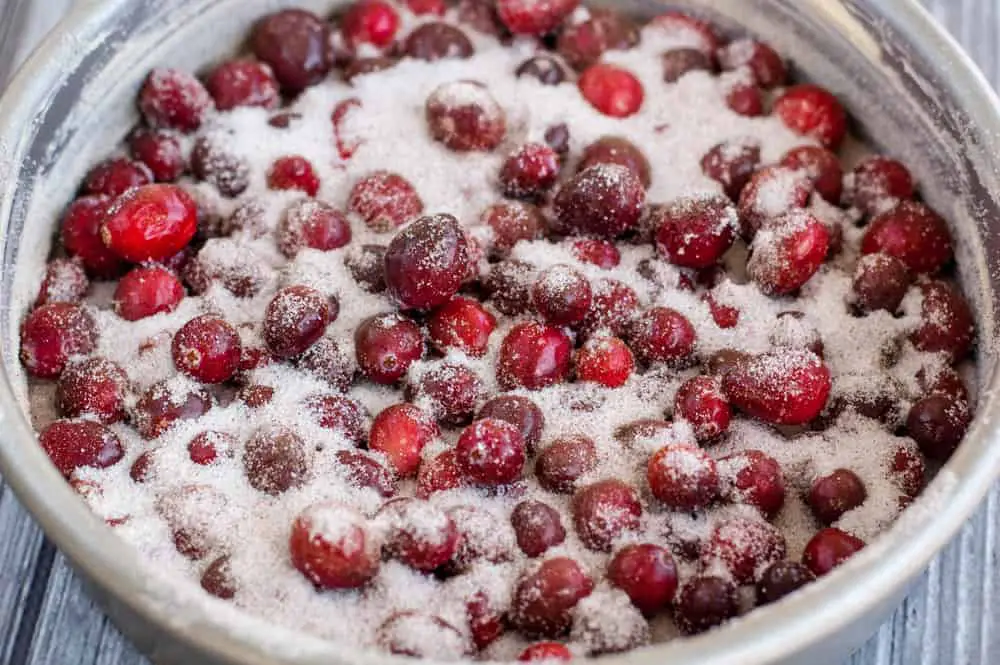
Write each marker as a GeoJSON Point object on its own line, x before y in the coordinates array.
{"type": "Point", "coordinates": [787, 252]}
{"type": "Point", "coordinates": [207, 348]}
{"type": "Point", "coordinates": [425, 7]}
{"type": "Point", "coordinates": [485, 623]}
{"type": "Point", "coordinates": [704, 603]}
{"type": "Point", "coordinates": [362, 67]}
{"type": "Point", "coordinates": [780, 579]}
{"type": "Point", "coordinates": [613, 91]}
{"type": "Point", "coordinates": [420, 635]}
{"type": "Point", "coordinates": [96, 387]}
{"type": "Point", "coordinates": [362, 471]}
{"type": "Point", "coordinates": [520, 412]}
{"type": "Point", "coordinates": [293, 172]}
{"type": "Point", "coordinates": [680, 61]}
{"type": "Point", "coordinates": [113, 177]}
{"type": "Point", "coordinates": [243, 83]}
{"type": "Point", "coordinates": [215, 164]}
{"type": "Point", "coordinates": [545, 68]}
{"type": "Point", "coordinates": [743, 547]}
{"type": "Point", "coordinates": [695, 233]}
{"type": "Point", "coordinates": [786, 388]}
{"type": "Point", "coordinates": [913, 233]}
{"type": "Point", "coordinates": [437, 40]}
{"type": "Point", "coordinates": [565, 461]}
{"type": "Point", "coordinates": [386, 346]}
{"type": "Point", "coordinates": [701, 402]}
{"type": "Point", "coordinates": [533, 356]}
{"type": "Point", "coordinates": [745, 99]}
{"type": "Point", "coordinates": [463, 324]}
{"type": "Point", "coordinates": [755, 479]}
{"type": "Point", "coordinates": [906, 468]}
{"type": "Point", "coordinates": [620, 151]}
{"type": "Point", "coordinates": [326, 360]}
{"type": "Point", "coordinates": [821, 166]}
{"type": "Point", "coordinates": [613, 307]}
{"type": "Point", "coordinates": [295, 319]}
{"type": "Point", "coordinates": [367, 266]}
{"type": "Point", "coordinates": [419, 534]}
{"type": "Point", "coordinates": [141, 470]}
{"type": "Point", "coordinates": [942, 380]}
{"type": "Point", "coordinates": [605, 360]}
{"type": "Point", "coordinates": [814, 112]}
{"type": "Point", "coordinates": [65, 281]}
{"type": "Point", "coordinates": [601, 253]}
{"type": "Point", "coordinates": [465, 117]}
{"type": "Point", "coordinates": [562, 295]}
{"type": "Point", "coordinates": [312, 224]}
{"type": "Point", "coordinates": [191, 513]}
{"type": "Point", "coordinates": [160, 150]}
{"type": "Point", "coordinates": [331, 546]}
{"type": "Point", "coordinates": [338, 413]}
{"type": "Point", "coordinates": [275, 460]}
{"type": "Point", "coordinates": [52, 334]}
{"type": "Point", "coordinates": [163, 404]}
{"type": "Point", "coordinates": [295, 43]}
{"type": "Point", "coordinates": [537, 527]}
{"type": "Point", "coordinates": [605, 200]}
{"type": "Point", "coordinates": [72, 444]}
{"type": "Point", "coordinates": [662, 334]}
{"type": "Point", "coordinates": [172, 99]}
{"type": "Point", "coordinates": [206, 447]}
{"type": "Point", "coordinates": [81, 236]}
{"type": "Point", "coordinates": [490, 452]}
{"type": "Point", "coordinates": [681, 26]}
{"type": "Point", "coordinates": [766, 66]}
{"type": "Point", "coordinates": [400, 432]}
{"type": "Point", "coordinates": [451, 392]}
{"type": "Point", "coordinates": [150, 223]}
{"type": "Point", "coordinates": [438, 475]}
{"type": "Point", "coordinates": [217, 579]}
{"type": "Point", "coordinates": [937, 423]}
{"type": "Point", "coordinates": [731, 164]}
{"type": "Point", "coordinates": [546, 651]}
{"type": "Point", "coordinates": [836, 493]}
{"type": "Point", "coordinates": [534, 18]}
{"type": "Point", "coordinates": [640, 433]}
{"type": "Point", "coordinates": [603, 511]}
{"type": "Point", "coordinates": [509, 286]}
{"type": "Point", "coordinates": [512, 222]}
{"type": "Point", "coordinates": [147, 290]}
{"type": "Point", "coordinates": [372, 22]}
{"type": "Point", "coordinates": [683, 477]}
{"type": "Point", "coordinates": [771, 192]}
{"type": "Point", "coordinates": [647, 574]}
{"type": "Point", "coordinates": [880, 282]}
{"type": "Point", "coordinates": [583, 43]}
{"type": "Point", "coordinates": [427, 262]}
{"type": "Point", "coordinates": [946, 321]}
{"type": "Point", "coordinates": [828, 549]}
{"type": "Point", "coordinates": [878, 184]}
{"type": "Point", "coordinates": [482, 536]}
{"type": "Point", "coordinates": [544, 599]}
{"type": "Point", "coordinates": [530, 171]}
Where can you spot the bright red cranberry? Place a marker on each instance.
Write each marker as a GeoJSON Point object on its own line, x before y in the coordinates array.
{"type": "Point", "coordinates": [400, 432]}
{"type": "Point", "coordinates": [216, 164]}
{"type": "Point", "coordinates": [546, 651]}
{"type": "Point", "coordinates": [764, 63]}
{"type": "Point", "coordinates": [814, 112]}
{"type": "Point", "coordinates": [338, 413]}
{"type": "Point", "coordinates": [604, 200]}
{"type": "Point", "coordinates": [647, 574]}
{"type": "Point", "coordinates": [683, 477]}
{"type": "Point", "coordinates": [704, 603]}
{"type": "Point", "coordinates": [162, 405]}
{"type": "Point", "coordinates": [436, 40]}
{"type": "Point", "coordinates": [530, 171]}
{"type": "Point", "coordinates": [787, 252]}
{"type": "Point", "coordinates": [680, 61]}
{"type": "Point", "coordinates": [913, 233]}
{"type": "Point", "coordinates": [113, 177]}
{"type": "Point", "coordinates": [681, 26]}
{"type": "Point", "coordinates": [828, 549]}
{"type": "Point", "coordinates": [562, 295]}
{"type": "Point", "coordinates": [426, 7]}
{"type": "Point", "coordinates": [150, 223]}
{"type": "Point", "coordinates": [419, 635]}
{"type": "Point", "coordinates": [65, 281]}
{"type": "Point", "coordinates": [96, 387]}
{"type": "Point", "coordinates": [295, 319]}
{"type": "Point", "coordinates": [821, 166]}
{"type": "Point", "coordinates": [512, 222]}
{"type": "Point", "coordinates": [509, 286]}
{"type": "Point", "coordinates": [878, 184]}
{"type": "Point", "coordinates": [533, 17]}
{"type": "Point", "coordinates": [296, 44]}
{"type": "Point", "coordinates": [207, 349]}
{"type": "Point", "coordinates": [756, 479]}
{"type": "Point", "coordinates": [490, 453]}
{"type": "Point", "coordinates": [937, 423]}
{"type": "Point", "coordinates": [372, 22]}
{"type": "Point", "coordinates": [731, 164]}
{"type": "Point", "coordinates": [312, 224]}
{"type": "Point", "coordinates": [293, 172]}
{"type": "Point", "coordinates": [243, 83]}
{"type": "Point", "coordinates": [583, 43]}
{"type": "Point", "coordinates": [450, 392]}
{"type": "Point", "coordinates": [438, 475]}
{"type": "Point", "coordinates": [613, 91]}
{"type": "Point", "coordinates": [614, 304]}
{"type": "Point", "coordinates": [790, 387]}
{"type": "Point", "coordinates": [544, 68]}
{"type": "Point", "coordinates": [701, 402]}
{"type": "Point", "coordinates": [537, 527]}
{"type": "Point", "coordinates": [72, 444]}
{"type": "Point", "coordinates": [486, 624]}
{"type": "Point", "coordinates": [836, 493]}
{"type": "Point", "coordinates": [420, 534]}
{"type": "Point", "coordinates": [780, 579]}
{"type": "Point", "coordinates": [172, 99]}
{"type": "Point", "coordinates": [605, 360]}
{"type": "Point", "coordinates": [147, 290]}
{"type": "Point", "coordinates": [81, 236]}
{"type": "Point", "coordinates": [52, 334]}
{"type": "Point", "coordinates": [543, 600]}
{"type": "Point", "coordinates": [385, 200]}
{"type": "Point", "coordinates": [427, 262]}
{"type": "Point", "coordinates": [695, 233]}
{"type": "Point", "coordinates": [275, 460]}
{"type": "Point", "coordinates": [463, 324]}
{"type": "Point", "coordinates": [363, 471]}
{"type": "Point", "coordinates": [947, 324]}
{"type": "Point", "coordinates": [743, 547]}
{"type": "Point", "coordinates": [533, 356]}
{"type": "Point", "coordinates": [771, 192]}
{"type": "Point", "coordinates": [160, 150]}
{"type": "Point", "coordinates": [880, 282]}
{"type": "Point", "coordinates": [386, 345]}
{"type": "Point", "coordinates": [745, 99]}
{"type": "Point", "coordinates": [601, 253]}
{"type": "Point", "coordinates": [563, 462]}
{"type": "Point", "coordinates": [331, 545]}
{"type": "Point", "coordinates": [603, 511]}
{"type": "Point", "coordinates": [207, 447]}
{"type": "Point", "coordinates": [465, 117]}
{"type": "Point", "coordinates": [662, 334]}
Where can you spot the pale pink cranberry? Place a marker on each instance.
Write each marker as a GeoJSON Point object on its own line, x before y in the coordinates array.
{"type": "Point", "coordinates": [386, 345]}
{"type": "Point", "coordinates": [946, 322]}
{"type": "Point", "coordinates": [546, 69]}
{"type": "Point", "coordinates": [161, 406]}
{"type": "Point", "coordinates": [828, 549]}
{"type": "Point", "coordinates": [705, 602]}
{"type": "Point", "coordinates": [332, 546]}
{"type": "Point", "coordinates": [463, 324]}
{"type": "Point", "coordinates": [907, 469]}
{"type": "Point", "coordinates": [780, 579]}
{"type": "Point", "coordinates": [338, 413]}
{"type": "Point", "coordinates": [814, 112]}
{"type": "Point", "coordinates": [879, 183]}
{"type": "Point", "coordinates": [427, 262]}
{"type": "Point", "coordinates": [486, 625]}
{"type": "Point", "coordinates": [243, 83]}
{"type": "Point", "coordinates": [275, 460]}
{"type": "Point", "coordinates": [755, 479]}
{"type": "Point", "coordinates": [96, 387]}
{"type": "Point", "coordinates": [65, 281]}
{"type": "Point", "coordinates": [546, 651]}
{"type": "Point", "coordinates": [787, 252]}
{"type": "Point", "coordinates": [218, 580]}
{"type": "Point", "coordinates": [295, 319]}
{"type": "Point", "coordinates": [786, 388]}
{"type": "Point", "coordinates": [770, 193]}
{"type": "Point", "coordinates": [647, 574]}
{"type": "Point", "coordinates": [172, 99]}
{"type": "Point", "coordinates": [52, 334]}
{"type": "Point", "coordinates": [534, 18]}
{"type": "Point", "coordinates": [372, 22]}
{"type": "Point", "coordinates": [451, 392]}
{"type": "Point", "coordinates": [438, 475]}
{"type": "Point", "coordinates": [701, 402]}
{"type": "Point", "coordinates": [613, 91]}
{"type": "Point", "coordinates": [694, 233]}
{"type": "Point", "coordinates": [151, 222]}
{"type": "Point", "coordinates": [613, 307]}
{"type": "Point", "coordinates": [81, 236]}
{"type": "Point", "coordinates": [367, 266]}
{"type": "Point", "coordinates": [508, 286]}
{"type": "Point", "coordinates": [512, 222]}
{"type": "Point", "coordinates": [207, 447]}
{"type": "Point", "coordinates": [683, 26]}
{"type": "Point", "coordinates": [743, 547]}
{"type": "Point", "coordinates": [400, 432]}
{"type": "Point", "coordinates": [914, 234]}
{"type": "Point", "coordinates": [419, 635]}
{"type": "Point", "coordinates": [681, 61]}
{"type": "Point", "coordinates": [490, 453]}
{"type": "Point", "coordinates": [603, 511]}
{"type": "Point", "coordinates": [605, 360]}
{"type": "Point", "coordinates": [465, 117]}
{"type": "Point", "coordinates": [147, 290]}
{"type": "Point", "coordinates": [537, 527]}
{"type": "Point", "coordinates": [604, 200]}
{"type": "Point", "coordinates": [296, 44]}
{"type": "Point", "coordinates": [160, 150]}
{"type": "Point", "coordinates": [533, 356]}
{"type": "Point", "coordinates": [764, 63]}
{"type": "Point", "coordinates": [529, 172]}
{"type": "Point", "coordinates": [880, 282]}
{"type": "Point", "coordinates": [836, 493]}
{"type": "Point", "coordinates": [544, 599]}
{"type": "Point", "coordinates": [312, 224]}
{"type": "Point", "coordinates": [363, 471]}
{"type": "Point", "coordinates": [113, 177]}
{"type": "Point", "coordinates": [420, 534]}
{"type": "Point", "coordinates": [207, 349]}
{"type": "Point", "coordinates": [520, 412]}
{"type": "Point", "coordinates": [683, 477]}
{"type": "Point", "coordinates": [562, 295]}
{"type": "Point", "coordinates": [583, 43]}
{"type": "Point", "coordinates": [731, 164]}
{"type": "Point", "coordinates": [293, 172]}
{"type": "Point", "coordinates": [937, 423]}
{"type": "Point", "coordinates": [72, 444]}
{"type": "Point", "coordinates": [745, 99]}
{"type": "Point", "coordinates": [662, 334]}
{"type": "Point", "coordinates": [821, 166]}
{"type": "Point", "coordinates": [601, 253]}
{"type": "Point", "coordinates": [436, 40]}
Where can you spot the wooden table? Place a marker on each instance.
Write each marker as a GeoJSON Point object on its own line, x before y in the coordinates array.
{"type": "Point", "coordinates": [950, 618]}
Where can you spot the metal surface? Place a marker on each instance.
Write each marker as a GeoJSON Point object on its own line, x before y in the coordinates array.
{"type": "Point", "coordinates": [819, 616]}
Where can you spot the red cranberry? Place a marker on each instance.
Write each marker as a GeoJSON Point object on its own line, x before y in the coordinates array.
{"type": "Point", "coordinates": [946, 324]}
{"type": "Point", "coordinates": [529, 172]}
{"type": "Point", "coordinates": [821, 166]}
{"type": "Point", "coordinates": [786, 388]}
{"type": "Point", "coordinates": [438, 475]}
{"type": "Point", "coordinates": [293, 172]}
{"type": "Point", "coordinates": [605, 360]}
{"type": "Point", "coordinates": [486, 625]}
{"type": "Point", "coordinates": [828, 549]}
{"type": "Point", "coordinates": [647, 574]}
{"type": "Point", "coordinates": [420, 635]}
{"type": "Point", "coordinates": [372, 22]}
{"type": "Point", "coordinates": [878, 184]}
{"type": "Point", "coordinates": [312, 224]}
{"type": "Point", "coordinates": [332, 547]}
{"type": "Point", "coordinates": [213, 163]}
{"type": "Point", "coordinates": [620, 151]}
{"type": "Point", "coordinates": [683, 477]}
{"type": "Point", "coordinates": [150, 223]}
{"type": "Point", "coordinates": [233, 264]}
{"type": "Point", "coordinates": [695, 233]}
{"type": "Point", "coordinates": [172, 99]}
{"type": "Point", "coordinates": [400, 433]}
{"type": "Point", "coordinates": [243, 83]}
{"type": "Point", "coordinates": [543, 600]}
{"type": "Point", "coordinates": [65, 281]}
{"type": "Point", "coordinates": [72, 444]}
{"type": "Point", "coordinates": [425, 7]}
{"type": "Point", "coordinates": [190, 512]}
{"type": "Point", "coordinates": [207, 349]}
{"type": "Point", "coordinates": [937, 423]}
{"type": "Point", "coordinates": [755, 479]}
{"type": "Point", "coordinates": [52, 334]}
{"type": "Point", "coordinates": [162, 405]}
{"type": "Point", "coordinates": [520, 412]}
{"type": "Point", "coordinates": [583, 43]}
{"type": "Point", "coordinates": [534, 18]}
{"type": "Point", "coordinates": [427, 262]}
{"type": "Point", "coordinates": [745, 99]}
{"type": "Point", "coordinates": [362, 471]}
{"type": "Point", "coordinates": [814, 112]}
{"type": "Point", "coordinates": [731, 164]}
{"type": "Point", "coordinates": [451, 392]}
{"type": "Point", "coordinates": [147, 290]}
{"type": "Point", "coordinates": [743, 547]}
{"type": "Point", "coordinates": [546, 651]}
{"type": "Point", "coordinates": [545, 68]}
{"type": "Point", "coordinates": [780, 579]}
{"type": "Point", "coordinates": [295, 43]}
{"type": "Point", "coordinates": [218, 580]}
{"type": "Point", "coordinates": [386, 346]}
{"type": "Point", "coordinates": [880, 282]}
{"type": "Point", "coordinates": [680, 61]}
{"type": "Point", "coordinates": [96, 387]}
{"type": "Point", "coordinates": [81, 236]}
{"type": "Point", "coordinates": [836, 493]}
{"type": "Point", "coordinates": [482, 537]}
{"type": "Point", "coordinates": [614, 304]}
{"type": "Point", "coordinates": [463, 324]}
{"type": "Point", "coordinates": [766, 66]}
{"type": "Point", "coordinates": [605, 200]}
{"type": "Point", "coordinates": [704, 603]}
{"type": "Point", "coordinates": [681, 26]}
{"type": "Point", "coordinates": [338, 413]}
{"type": "Point", "coordinates": [565, 461]}
{"type": "Point", "coordinates": [437, 40]}
{"type": "Point", "coordinates": [362, 67]}
{"type": "Point", "coordinates": [275, 460]}
{"type": "Point", "coordinates": [724, 316]}
{"type": "Point", "coordinates": [295, 319]}
{"type": "Point", "coordinates": [601, 253]}
{"type": "Point", "coordinates": [787, 252]}
{"type": "Point", "coordinates": [533, 356]}
{"type": "Point", "coordinates": [603, 511]}
{"type": "Point", "coordinates": [367, 266]}
{"type": "Point", "coordinates": [537, 527]}
{"type": "Point", "coordinates": [141, 470]}
{"type": "Point", "coordinates": [562, 295]}
{"type": "Point", "coordinates": [662, 334]}
{"type": "Point", "coordinates": [701, 402]}
{"type": "Point", "coordinates": [771, 192]}
{"type": "Point", "coordinates": [490, 453]}
{"type": "Point", "coordinates": [913, 233]}
{"type": "Point", "coordinates": [906, 468]}
{"type": "Point", "coordinates": [512, 222]}
{"type": "Point", "coordinates": [160, 150]}
{"type": "Point", "coordinates": [613, 91]}
{"type": "Point", "coordinates": [420, 535]}
{"type": "Point", "coordinates": [509, 286]}
{"type": "Point", "coordinates": [942, 380]}
{"type": "Point", "coordinates": [113, 177]}
{"type": "Point", "coordinates": [206, 447]}
{"type": "Point", "coordinates": [465, 117]}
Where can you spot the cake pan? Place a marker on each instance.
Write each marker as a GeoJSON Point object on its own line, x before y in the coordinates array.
{"type": "Point", "coordinates": [916, 95]}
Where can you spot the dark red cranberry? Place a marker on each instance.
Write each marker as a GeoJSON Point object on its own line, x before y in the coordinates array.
{"type": "Point", "coordinates": [312, 224]}
{"type": "Point", "coordinates": [52, 334]}
{"type": "Point", "coordinates": [295, 319]}
{"type": "Point", "coordinates": [529, 172]}
{"type": "Point", "coordinates": [150, 223]}
{"type": "Point", "coordinates": [486, 625]}
{"type": "Point", "coordinates": [907, 469]}
{"type": "Point", "coordinates": [207, 447]}
{"type": "Point", "coordinates": [327, 361]}
{"type": "Point", "coordinates": [420, 534]}
{"type": "Point", "coordinates": [603, 511]}
{"type": "Point", "coordinates": [437, 40]}
{"type": "Point", "coordinates": [72, 444]}
{"type": "Point", "coordinates": [243, 83]}
{"type": "Point", "coordinates": [189, 511]}
{"type": "Point", "coordinates": [546, 651]}
{"type": "Point", "coordinates": [295, 43]}
{"type": "Point", "coordinates": [828, 549]}
{"type": "Point", "coordinates": [509, 286]}
{"type": "Point", "coordinates": [386, 345]}
{"type": "Point", "coordinates": [583, 43]}
{"type": "Point", "coordinates": [786, 388]}
{"type": "Point", "coordinates": [438, 475]}
{"type": "Point", "coordinates": [147, 290]}
{"type": "Point", "coordinates": [613, 91]}
{"type": "Point", "coordinates": [338, 413]}
{"type": "Point", "coordinates": [565, 461]}
{"type": "Point", "coordinates": [293, 172]}
{"type": "Point", "coordinates": [731, 164]}
{"type": "Point", "coordinates": [701, 402]}
{"type": "Point", "coordinates": [937, 423]}
{"type": "Point", "coordinates": [363, 471]}
{"type": "Point", "coordinates": [681, 26]}
{"type": "Point", "coordinates": [96, 387]}
{"type": "Point", "coordinates": [814, 112]}
{"type": "Point", "coordinates": [544, 599]}
{"type": "Point", "coordinates": [704, 603]}
{"type": "Point", "coordinates": [562, 295]}
{"type": "Point", "coordinates": [683, 477]}
{"type": "Point", "coordinates": [780, 579]}
{"type": "Point", "coordinates": [756, 479]}
{"type": "Point", "coordinates": [81, 236]}
{"type": "Point", "coordinates": [534, 18]}
{"type": "Point", "coordinates": [160, 150]}
{"type": "Point", "coordinates": [745, 99]}
{"type": "Point", "coordinates": [537, 527]}
{"type": "Point", "coordinates": [450, 392]}
{"type": "Point", "coordinates": [695, 233]}
{"type": "Point", "coordinates": [367, 266]}
{"type": "Point", "coordinates": [878, 184]}
{"type": "Point", "coordinates": [463, 324]}
{"type": "Point", "coordinates": [162, 405]}
{"type": "Point", "coordinates": [113, 177]}
{"type": "Point", "coordinates": [605, 360]}
{"type": "Point", "coordinates": [207, 348]}
{"type": "Point", "coordinates": [764, 63]}
{"type": "Point", "coordinates": [400, 432]}
{"type": "Point", "coordinates": [770, 193]}
{"type": "Point", "coordinates": [465, 117]}
{"type": "Point", "coordinates": [787, 252]}
{"type": "Point", "coordinates": [533, 356]}
{"type": "Point", "coordinates": [490, 453]}
{"type": "Point", "coordinates": [639, 434]}
{"type": "Point", "coordinates": [172, 99]}
{"type": "Point", "coordinates": [821, 166]}
{"type": "Point", "coordinates": [363, 66]}
{"type": "Point", "coordinates": [913, 233]}
{"type": "Point", "coordinates": [141, 469]}
{"type": "Point", "coordinates": [419, 635]}
{"type": "Point", "coordinates": [880, 282]}
{"type": "Point", "coordinates": [213, 163]}
{"type": "Point", "coordinates": [275, 460]}
{"type": "Point", "coordinates": [218, 579]}
{"type": "Point", "coordinates": [372, 22]}
{"type": "Point", "coordinates": [520, 412]}
{"type": "Point", "coordinates": [620, 151]}
{"type": "Point", "coordinates": [233, 264]}
{"type": "Point", "coordinates": [647, 574]}
{"type": "Point", "coordinates": [330, 544]}
{"type": "Point", "coordinates": [836, 493]}
{"type": "Point", "coordinates": [427, 262]}
{"type": "Point", "coordinates": [943, 380]}
{"type": "Point", "coordinates": [545, 68]}
{"type": "Point", "coordinates": [680, 61]}
{"type": "Point", "coordinates": [946, 324]}
{"type": "Point", "coordinates": [605, 200]}
{"type": "Point", "coordinates": [613, 307]}
{"type": "Point", "coordinates": [662, 334]}
{"type": "Point", "coordinates": [65, 281]}
{"type": "Point", "coordinates": [557, 137]}
{"type": "Point", "coordinates": [743, 547]}
{"type": "Point", "coordinates": [512, 222]}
